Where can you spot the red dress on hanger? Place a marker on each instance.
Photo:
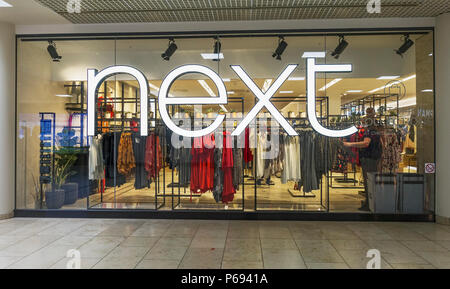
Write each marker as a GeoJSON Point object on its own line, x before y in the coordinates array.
{"type": "Point", "coordinates": [248, 155]}
{"type": "Point", "coordinates": [227, 168]}
{"type": "Point", "coordinates": [202, 164]}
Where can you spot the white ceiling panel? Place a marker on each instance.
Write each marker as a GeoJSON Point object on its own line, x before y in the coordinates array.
{"type": "Point", "coordinates": [135, 11]}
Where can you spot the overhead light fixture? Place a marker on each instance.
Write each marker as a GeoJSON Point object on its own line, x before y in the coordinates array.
{"type": "Point", "coordinates": [226, 79]}
{"type": "Point", "coordinates": [317, 54]}
{"type": "Point", "coordinates": [296, 78]}
{"type": "Point", "coordinates": [330, 84]}
{"type": "Point", "coordinates": [392, 83]}
{"type": "Point", "coordinates": [409, 77]}
{"type": "Point", "coordinates": [354, 91]}
{"type": "Point", "coordinates": [266, 85]}
{"type": "Point", "coordinates": [64, 95]}
{"type": "Point", "coordinates": [431, 54]}
{"type": "Point", "coordinates": [427, 90]}
{"type": "Point", "coordinates": [340, 48]}
{"type": "Point", "coordinates": [170, 50]}
{"type": "Point", "coordinates": [280, 49]}
{"type": "Point", "coordinates": [51, 48]}
{"type": "Point", "coordinates": [287, 92]}
{"type": "Point", "coordinates": [407, 44]}
{"type": "Point", "coordinates": [5, 4]}
{"type": "Point", "coordinates": [231, 92]}
{"type": "Point", "coordinates": [212, 56]}
{"type": "Point", "coordinates": [388, 77]}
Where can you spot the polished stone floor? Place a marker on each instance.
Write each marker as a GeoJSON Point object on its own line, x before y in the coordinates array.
{"type": "Point", "coordinates": [113, 243]}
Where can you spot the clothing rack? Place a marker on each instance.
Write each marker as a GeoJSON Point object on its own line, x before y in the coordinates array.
{"type": "Point", "coordinates": [359, 106]}
{"type": "Point", "coordinates": [323, 117]}
{"type": "Point", "coordinates": [153, 125]}
{"type": "Point", "coordinates": [182, 191]}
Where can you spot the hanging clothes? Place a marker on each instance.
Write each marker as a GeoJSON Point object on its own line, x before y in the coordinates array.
{"type": "Point", "coordinates": [110, 146]}
{"type": "Point", "coordinates": [153, 156]}
{"type": "Point", "coordinates": [308, 163]}
{"type": "Point", "coordinates": [218, 175]}
{"type": "Point", "coordinates": [264, 160]}
{"type": "Point", "coordinates": [139, 145]}
{"type": "Point", "coordinates": [202, 164]}
{"type": "Point", "coordinates": [248, 155]}
{"type": "Point", "coordinates": [96, 166]}
{"type": "Point", "coordinates": [291, 160]}
{"type": "Point", "coordinates": [391, 151]}
{"type": "Point", "coordinates": [180, 159]}
{"type": "Point", "coordinates": [182, 164]}
{"type": "Point", "coordinates": [227, 166]}
{"type": "Point", "coordinates": [125, 159]}
{"type": "Point", "coordinates": [238, 177]}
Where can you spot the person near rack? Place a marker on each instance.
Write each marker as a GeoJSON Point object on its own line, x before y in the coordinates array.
{"type": "Point", "coordinates": [369, 150]}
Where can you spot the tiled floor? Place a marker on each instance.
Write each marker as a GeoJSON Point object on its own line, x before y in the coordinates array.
{"type": "Point", "coordinates": [43, 243]}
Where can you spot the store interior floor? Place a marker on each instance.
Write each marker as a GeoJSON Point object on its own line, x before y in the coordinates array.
{"type": "Point", "coordinates": [343, 196]}
{"type": "Point", "coordinates": [201, 244]}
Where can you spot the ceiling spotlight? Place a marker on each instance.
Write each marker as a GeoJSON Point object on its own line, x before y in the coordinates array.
{"type": "Point", "coordinates": [280, 49]}
{"type": "Point", "coordinates": [52, 51]}
{"type": "Point", "coordinates": [217, 49]}
{"type": "Point", "coordinates": [340, 48]}
{"type": "Point", "coordinates": [170, 50]}
{"type": "Point", "coordinates": [408, 43]}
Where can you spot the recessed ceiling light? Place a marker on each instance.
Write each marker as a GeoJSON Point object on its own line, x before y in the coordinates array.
{"type": "Point", "coordinates": [62, 95]}
{"type": "Point", "coordinates": [354, 91]}
{"type": "Point", "coordinates": [409, 77]}
{"type": "Point", "coordinates": [287, 91]}
{"type": "Point", "coordinates": [207, 88]}
{"type": "Point", "coordinates": [388, 77]}
{"type": "Point", "coordinates": [431, 54]}
{"type": "Point", "coordinates": [427, 90]}
{"type": "Point", "coordinates": [213, 56]}
{"type": "Point", "coordinates": [296, 78]}
{"type": "Point", "coordinates": [230, 92]}
{"type": "Point", "coordinates": [319, 54]}
{"type": "Point", "coordinates": [5, 4]}
{"type": "Point", "coordinates": [330, 84]}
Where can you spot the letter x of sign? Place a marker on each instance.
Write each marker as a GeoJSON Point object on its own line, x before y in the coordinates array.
{"type": "Point", "coordinates": [264, 99]}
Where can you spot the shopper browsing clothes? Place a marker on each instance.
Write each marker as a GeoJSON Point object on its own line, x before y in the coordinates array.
{"type": "Point", "coordinates": [370, 150]}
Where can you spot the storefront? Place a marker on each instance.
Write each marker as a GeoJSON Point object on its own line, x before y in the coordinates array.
{"type": "Point", "coordinates": [105, 148]}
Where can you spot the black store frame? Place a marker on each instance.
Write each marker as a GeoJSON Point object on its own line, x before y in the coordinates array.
{"type": "Point", "coordinates": [268, 215]}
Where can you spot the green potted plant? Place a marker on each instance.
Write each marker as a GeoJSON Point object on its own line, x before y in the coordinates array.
{"type": "Point", "coordinates": [36, 195]}
{"type": "Point", "coordinates": [64, 160]}
{"type": "Point", "coordinates": [68, 152]}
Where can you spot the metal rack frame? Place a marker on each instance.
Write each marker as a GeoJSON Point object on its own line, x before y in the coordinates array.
{"type": "Point", "coordinates": [324, 119]}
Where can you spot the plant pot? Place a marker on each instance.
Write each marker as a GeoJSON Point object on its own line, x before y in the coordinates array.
{"type": "Point", "coordinates": [54, 199]}
{"type": "Point", "coordinates": [70, 192]}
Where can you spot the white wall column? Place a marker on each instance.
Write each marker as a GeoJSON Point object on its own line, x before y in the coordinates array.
{"type": "Point", "coordinates": [442, 50]}
{"type": "Point", "coordinates": [7, 120]}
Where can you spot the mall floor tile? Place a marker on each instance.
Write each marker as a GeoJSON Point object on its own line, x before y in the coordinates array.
{"type": "Point", "coordinates": [197, 244]}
